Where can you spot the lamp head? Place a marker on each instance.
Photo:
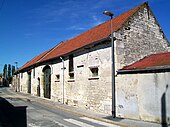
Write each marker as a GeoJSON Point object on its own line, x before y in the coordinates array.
{"type": "Point", "coordinates": [108, 13]}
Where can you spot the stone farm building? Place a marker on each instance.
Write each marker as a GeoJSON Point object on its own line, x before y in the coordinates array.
{"type": "Point", "coordinates": [78, 71]}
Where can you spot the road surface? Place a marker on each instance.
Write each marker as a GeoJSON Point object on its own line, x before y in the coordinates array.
{"type": "Point", "coordinates": [15, 111]}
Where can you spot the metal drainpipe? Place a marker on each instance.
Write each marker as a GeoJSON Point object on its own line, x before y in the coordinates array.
{"type": "Point", "coordinates": [113, 71]}
{"type": "Point", "coordinates": [63, 79]}
{"type": "Point", "coordinates": [110, 14]}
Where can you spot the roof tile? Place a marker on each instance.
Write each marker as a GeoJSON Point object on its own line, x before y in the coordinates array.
{"type": "Point", "coordinates": [95, 34]}
{"type": "Point", "coordinates": [35, 59]}
{"type": "Point", "coordinates": [154, 60]}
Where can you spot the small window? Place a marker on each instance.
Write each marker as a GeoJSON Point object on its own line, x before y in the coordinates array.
{"type": "Point", "coordinates": [21, 75]}
{"type": "Point", "coordinates": [34, 73]}
{"type": "Point", "coordinates": [94, 72]}
{"type": "Point", "coordinates": [71, 74]}
{"type": "Point", "coordinates": [58, 77]}
{"type": "Point", "coordinates": [71, 63]}
{"type": "Point", "coordinates": [71, 67]}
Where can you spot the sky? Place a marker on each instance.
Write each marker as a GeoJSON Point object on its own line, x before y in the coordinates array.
{"type": "Point", "coordinates": [30, 27]}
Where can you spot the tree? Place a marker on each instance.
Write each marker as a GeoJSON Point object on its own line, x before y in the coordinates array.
{"type": "Point", "coordinates": [5, 75]}
{"type": "Point", "coordinates": [5, 71]}
{"type": "Point", "coordinates": [9, 73]}
{"type": "Point", "coordinates": [13, 70]}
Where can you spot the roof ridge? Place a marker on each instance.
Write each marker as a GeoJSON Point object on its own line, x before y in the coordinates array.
{"type": "Point", "coordinates": [139, 7]}
{"type": "Point", "coordinates": [90, 36]}
{"type": "Point", "coordinates": [108, 21]}
{"type": "Point", "coordinates": [34, 58]}
{"type": "Point", "coordinates": [95, 32]}
{"type": "Point", "coordinates": [49, 51]}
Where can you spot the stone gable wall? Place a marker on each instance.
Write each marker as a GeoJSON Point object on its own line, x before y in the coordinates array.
{"type": "Point", "coordinates": [139, 37]}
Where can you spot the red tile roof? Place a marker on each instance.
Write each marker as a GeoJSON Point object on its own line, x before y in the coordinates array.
{"type": "Point", "coordinates": [95, 34]}
{"type": "Point", "coordinates": [35, 59]}
{"type": "Point", "coordinates": [152, 61]}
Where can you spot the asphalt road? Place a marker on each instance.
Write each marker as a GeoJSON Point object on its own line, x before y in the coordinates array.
{"type": "Point", "coordinates": [18, 112]}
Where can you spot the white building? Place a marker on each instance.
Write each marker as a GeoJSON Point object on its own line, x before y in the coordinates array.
{"type": "Point", "coordinates": [78, 71]}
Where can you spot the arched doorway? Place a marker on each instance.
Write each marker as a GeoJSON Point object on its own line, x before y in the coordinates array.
{"type": "Point", "coordinates": [38, 87]}
{"type": "Point", "coordinates": [29, 82]}
{"type": "Point", "coordinates": [47, 81]}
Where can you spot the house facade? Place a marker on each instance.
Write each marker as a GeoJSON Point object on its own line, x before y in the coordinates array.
{"type": "Point", "coordinates": [78, 71]}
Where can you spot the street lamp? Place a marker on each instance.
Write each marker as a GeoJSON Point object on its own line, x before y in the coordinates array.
{"type": "Point", "coordinates": [110, 14]}
{"type": "Point", "coordinates": [63, 78]}
{"type": "Point", "coordinates": [16, 65]}
{"type": "Point", "coordinates": [16, 82]}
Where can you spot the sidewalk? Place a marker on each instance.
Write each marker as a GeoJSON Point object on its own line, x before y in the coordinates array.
{"type": "Point", "coordinates": [84, 112]}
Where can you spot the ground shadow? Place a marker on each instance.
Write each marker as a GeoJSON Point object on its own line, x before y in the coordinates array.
{"type": "Point", "coordinates": [11, 116]}
{"type": "Point", "coordinates": [163, 109]}
{"type": "Point", "coordinates": [113, 119]}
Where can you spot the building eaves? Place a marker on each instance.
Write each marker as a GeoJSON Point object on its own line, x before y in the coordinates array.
{"type": "Point", "coordinates": [33, 61]}
{"type": "Point", "coordinates": [145, 70]}
{"type": "Point", "coordinates": [93, 35]}
{"type": "Point", "coordinates": [159, 62]}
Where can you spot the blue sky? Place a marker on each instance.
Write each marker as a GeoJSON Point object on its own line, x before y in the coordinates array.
{"type": "Point", "coordinates": [30, 27]}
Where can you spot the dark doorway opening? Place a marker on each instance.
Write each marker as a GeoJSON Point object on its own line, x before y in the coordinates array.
{"type": "Point", "coordinates": [29, 82]}
{"type": "Point", "coordinates": [47, 81]}
{"type": "Point", "coordinates": [38, 87]}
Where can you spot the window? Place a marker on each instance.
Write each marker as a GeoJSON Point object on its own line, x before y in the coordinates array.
{"type": "Point", "coordinates": [71, 74]}
{"type": "Point", "coordinates": [71, 63]}
{"type": "Point", "coordinates": [71, 67]}
{"type": "Point", "coordinates": [21, 75]}
{"type": "Point", "coordinates": [94, 72]}
{"type": "Point", "coordinates": [34, 73]}
{"type": "Point", "coordinates": [58, 77]}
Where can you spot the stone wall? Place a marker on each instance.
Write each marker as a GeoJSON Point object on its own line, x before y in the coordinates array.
{"type": "Point", "coordinates": [84, 90]}
{"type": "Point", "coordinates": [144, 96]}
{"type": "Point", "coordinates": [140, 36]}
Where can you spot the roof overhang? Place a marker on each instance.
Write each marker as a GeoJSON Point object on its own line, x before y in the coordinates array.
{"type": "Point", "coordinates": [71, 52]}
{"type": "Point", "coordinates": [78, 49]}
{"type": "Point", "coordinates": [159, 69]}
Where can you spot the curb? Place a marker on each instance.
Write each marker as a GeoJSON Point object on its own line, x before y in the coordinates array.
{"type": "Point", "coordinates": [26, 98]}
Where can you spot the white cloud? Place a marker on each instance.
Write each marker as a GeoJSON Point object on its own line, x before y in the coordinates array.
{"type": "Point", "coordinates": [76, 28]}
{"type": "Point", "coordinates": [97, 20]}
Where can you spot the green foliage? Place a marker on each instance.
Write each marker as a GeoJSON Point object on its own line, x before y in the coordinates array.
{"type": "Point", "coordinates": [13, 70]}
{"type": "Point", "coordinates": [8, 73]}
{"type": "Point", "coordinates": [9, 78]}
{"type": "Point", "coordinates": [5, 71]}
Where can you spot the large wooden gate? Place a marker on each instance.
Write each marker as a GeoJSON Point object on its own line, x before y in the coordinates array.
{"type": "Point", "coordinates": [47, 82]}
{"type": "Point", "coordinates": [29, 82]}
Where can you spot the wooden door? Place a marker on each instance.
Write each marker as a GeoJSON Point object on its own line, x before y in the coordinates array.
{"type": "Point", "coordinates": [47, 82]}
